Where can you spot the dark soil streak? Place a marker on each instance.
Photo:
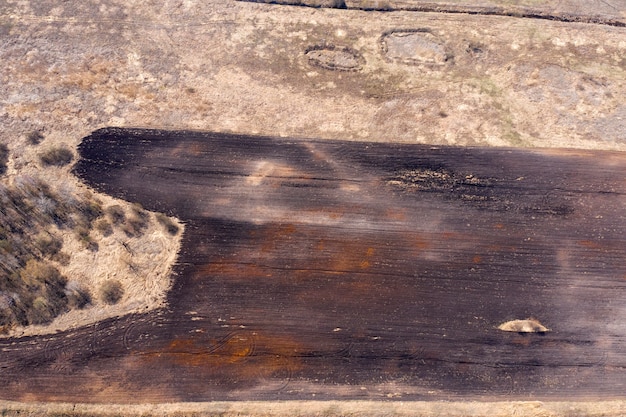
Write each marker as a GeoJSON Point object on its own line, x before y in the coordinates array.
{"type": "Point", "coordinates": [391, 269]}
{"type": "Point", "coordinates": [425, 7]}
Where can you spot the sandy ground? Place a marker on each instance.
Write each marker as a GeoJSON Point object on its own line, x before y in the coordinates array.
{"type": "Point", "coordinates": [72, 67]}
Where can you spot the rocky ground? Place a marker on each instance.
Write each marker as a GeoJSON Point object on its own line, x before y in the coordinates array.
{"type": "Point", "coordinates": [480, 79]}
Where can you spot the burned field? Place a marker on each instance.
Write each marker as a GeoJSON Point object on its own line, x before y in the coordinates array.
{"type": "Point", "coordinates": [321, 269]}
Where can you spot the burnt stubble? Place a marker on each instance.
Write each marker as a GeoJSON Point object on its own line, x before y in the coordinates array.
{"type": "Point", "coordinates": [316, 269]}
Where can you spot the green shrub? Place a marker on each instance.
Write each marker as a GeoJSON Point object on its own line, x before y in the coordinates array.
{"type": "Point", "coordinates": [111, 291]}
{"type": "Point", "coordinates": [58, 156]}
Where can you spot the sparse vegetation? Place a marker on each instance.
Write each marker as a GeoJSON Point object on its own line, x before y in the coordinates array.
{"type": "Point", "coordinates": [35, 220]}
{"type": "Point", "coordinates": [58, 156]}
{"type": "Point", "coordinates": [111, 292]}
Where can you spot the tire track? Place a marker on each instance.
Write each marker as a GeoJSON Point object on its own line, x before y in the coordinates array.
{"type": "Point", "coordinates": [409, 6]}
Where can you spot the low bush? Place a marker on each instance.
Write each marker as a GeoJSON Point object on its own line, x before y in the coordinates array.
{"type": "Point", "coordinates": [58, 156]}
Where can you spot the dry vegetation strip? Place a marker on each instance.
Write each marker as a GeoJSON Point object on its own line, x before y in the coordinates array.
{"type": "Point", "coordinates": [32, 290]}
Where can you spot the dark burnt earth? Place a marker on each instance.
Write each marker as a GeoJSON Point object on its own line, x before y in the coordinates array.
{"type": "Point", "coordinates": [318, 269]}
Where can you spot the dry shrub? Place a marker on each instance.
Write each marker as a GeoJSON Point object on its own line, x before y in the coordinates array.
{"type": "Point", "coordinates": [103, 226]}
{"type": "Point", "coordinates": [77, 295]}
{"type": "Point", "coordinates": [39, 273]}
{"type": "Point", "coordinates": [137, 222]}
{"type": "Point", "coordinates": [35, 137]}
{"type": "Point", "coordinates": [91, 210]}
{"type": "Point", "coordinates": [44, 296]}
{"type": "Point", "coordinates": [116, 214]}
{"type": "Point", "coordinates": [58, 156]}
{"type": "Point", "coordinates": [47, 244]}
{"type": "Point", "coordinates": [169, 225]}
{"type": "Point", "coordinates": [111, 291]}
{"type": "Point", "coordinates": [40, 312]}
{"type": "Point", "coordinates": [84, 236]}
{"type": "Point", "coordinates": [138, 210]}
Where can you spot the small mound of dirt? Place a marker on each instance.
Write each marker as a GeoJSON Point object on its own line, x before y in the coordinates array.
{"type": "Point", "coordinates": [523, 326]}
